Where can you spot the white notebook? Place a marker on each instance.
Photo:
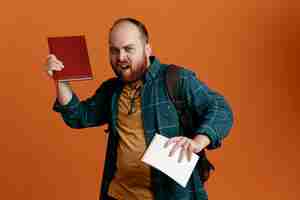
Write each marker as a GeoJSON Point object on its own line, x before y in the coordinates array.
{"type": "Point", "coordinates": [156, 155]}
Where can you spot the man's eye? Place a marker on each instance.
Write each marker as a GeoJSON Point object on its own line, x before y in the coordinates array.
{"type": "Point", "coordinates": [129, 49]}
{"type": "Point", "coordinates": [114, 51]}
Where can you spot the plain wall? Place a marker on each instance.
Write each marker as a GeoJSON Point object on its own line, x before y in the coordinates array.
{"type": "Point", "coordinates": [247, 50]}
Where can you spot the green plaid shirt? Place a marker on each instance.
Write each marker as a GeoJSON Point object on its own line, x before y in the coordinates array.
{"type": "Point", "coordinates": [212, 116]}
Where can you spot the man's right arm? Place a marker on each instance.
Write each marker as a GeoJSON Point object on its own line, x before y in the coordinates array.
{"type": "Point", "coordinates": [76, 113]}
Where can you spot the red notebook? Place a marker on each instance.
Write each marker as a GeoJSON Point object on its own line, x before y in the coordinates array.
{"type": "Point", "coordinates": [72, 51]}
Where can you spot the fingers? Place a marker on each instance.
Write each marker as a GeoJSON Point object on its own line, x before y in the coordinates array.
{"type": "Point", "coordinates": [184, 151]}
{"type": "Point", "coordinates": [181, 142]}
{"type": "Point", "coordinates": [188, 149]}
{"type": "Point", "coordinates": [51, 56]}
{"type": "Point", "coordinates": [172, 140]}
{"type": "Point", "coordinates": [53, 64]}
{"type": "Point", "coordinates": [178, 143]}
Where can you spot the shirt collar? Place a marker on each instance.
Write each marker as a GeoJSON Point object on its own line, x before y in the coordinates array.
{"type": "Point", "coordinates": [153, 69]}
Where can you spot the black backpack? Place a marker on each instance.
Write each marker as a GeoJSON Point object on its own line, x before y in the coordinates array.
{"type": "Point", "coordinates": [204, 165]}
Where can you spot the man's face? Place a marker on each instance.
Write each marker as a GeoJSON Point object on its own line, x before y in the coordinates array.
{"type": "Point", "coordinates": [129, 54]}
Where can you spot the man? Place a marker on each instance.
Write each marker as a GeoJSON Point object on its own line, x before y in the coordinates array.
{"type": "Point", "coordinates": [136, 105]}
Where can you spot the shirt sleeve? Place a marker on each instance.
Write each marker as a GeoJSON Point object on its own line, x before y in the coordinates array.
{"type": "Point", "coordinates": [214, 117]}
{"type": "Point", "coordinates": [90, 112]}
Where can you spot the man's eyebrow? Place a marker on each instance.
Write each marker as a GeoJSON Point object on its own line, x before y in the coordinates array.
{"type": "Point", "coordinates": [126, 46]}
{"type": "Point", "coordinates": [129, 45]}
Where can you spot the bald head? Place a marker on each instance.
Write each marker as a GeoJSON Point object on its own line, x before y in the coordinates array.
{"type": "Point", "coordinates": [132, 25]}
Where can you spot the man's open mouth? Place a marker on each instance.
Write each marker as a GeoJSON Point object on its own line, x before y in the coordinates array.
{"type": "Point", "coordinates": [123, 67]}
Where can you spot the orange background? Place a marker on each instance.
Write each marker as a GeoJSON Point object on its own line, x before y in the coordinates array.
{"type": "Point", "coordinates": [245, 49]}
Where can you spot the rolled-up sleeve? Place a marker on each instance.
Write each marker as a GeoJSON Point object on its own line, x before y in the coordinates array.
{"type": "Point", "coordinates": [57, 107]}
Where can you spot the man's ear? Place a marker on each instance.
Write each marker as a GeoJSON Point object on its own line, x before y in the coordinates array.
{"type": "Point", "coordinates": [148, 50]}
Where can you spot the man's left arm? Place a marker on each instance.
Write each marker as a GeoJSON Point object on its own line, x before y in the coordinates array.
{"type": "Point", "coordinates": [213, 117]}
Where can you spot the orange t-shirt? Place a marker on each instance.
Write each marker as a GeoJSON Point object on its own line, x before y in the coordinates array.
{"type": "Point", "coordinates": [132, 178]}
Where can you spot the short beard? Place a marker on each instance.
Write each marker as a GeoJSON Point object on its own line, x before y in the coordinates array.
{"type": "Point", "coordinates": [136, 75]}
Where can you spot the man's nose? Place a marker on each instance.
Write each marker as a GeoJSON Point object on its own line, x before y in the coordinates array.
{"type": "Point", "coordinates": [122, 55]}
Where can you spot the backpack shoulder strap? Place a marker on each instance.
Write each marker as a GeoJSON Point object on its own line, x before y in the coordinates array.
{"type": "Point", "coordinates": [172, 79]}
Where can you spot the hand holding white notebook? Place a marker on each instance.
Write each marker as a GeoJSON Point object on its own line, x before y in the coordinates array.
{"type": "Point", "coordinates": [157, 156]}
